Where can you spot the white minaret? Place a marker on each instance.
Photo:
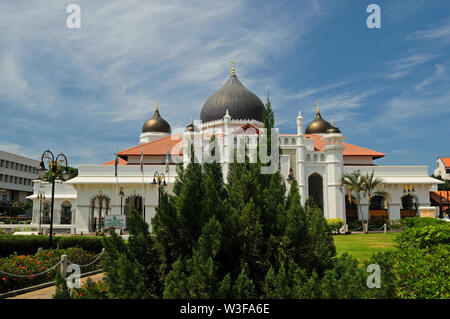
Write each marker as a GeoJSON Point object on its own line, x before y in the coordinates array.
{"type": "Point", "coordinates": [334, 165]}
{"type": "Point", "coordinates": [227, 146]}
{"type": "Point", "coordinates": [301, 159]}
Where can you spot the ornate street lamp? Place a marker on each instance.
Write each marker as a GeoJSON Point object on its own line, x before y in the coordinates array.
{"type": "Point", "coordinates": [159, 178]}
{"type": "Point", "coordinates": [53, 165]}
{"type": "Point", "coordinates": [40, 196]}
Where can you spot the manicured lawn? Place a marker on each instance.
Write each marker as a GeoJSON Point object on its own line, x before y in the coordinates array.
{"type": "Point", "coordinates": [362, 246]}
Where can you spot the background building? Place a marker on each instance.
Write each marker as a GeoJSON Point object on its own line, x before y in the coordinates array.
{"type": "Point", "coordinates": [443, 168]}
{"type": "Point", "coordinates": [16, 180]}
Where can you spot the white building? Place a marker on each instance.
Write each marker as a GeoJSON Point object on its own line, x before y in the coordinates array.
{"type": "Point", "coordinates": [316, 156]}
{"type": "Point", "coordinates": [16, 176]}
{"type": "Point", "coordinates": [443, 168]}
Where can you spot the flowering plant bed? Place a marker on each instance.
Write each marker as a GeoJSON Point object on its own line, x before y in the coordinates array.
{"type": "Point", "coordinates": [21, 271]}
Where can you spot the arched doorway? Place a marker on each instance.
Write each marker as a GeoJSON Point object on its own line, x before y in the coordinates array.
{"type": "Point", "coordinates": [378, 208]}
{"type": "Point", "coordinates": [45, 215]}
{"type": "Point", "coordinates": [409, 206]}
{"type": "Point", "coordinates": [99, 208]}
{"type": "Point", "coordinates": [132, 201]}
{"type": "Point", "coordinates": [351, 210]}
{"type": "Point", "coordinates": [66, 213]}
{"type": "Point", "coordinates": [315, 189]}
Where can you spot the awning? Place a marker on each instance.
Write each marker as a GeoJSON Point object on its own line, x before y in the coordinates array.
{"type": "Point", "coordinates": [410, 180]}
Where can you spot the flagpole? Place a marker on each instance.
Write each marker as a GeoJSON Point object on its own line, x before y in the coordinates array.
{"type": "Point", "coordinates": [117, 180]}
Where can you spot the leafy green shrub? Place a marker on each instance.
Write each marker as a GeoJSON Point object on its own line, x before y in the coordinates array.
{"type": "Point", "coordinates": [425, 236]}
{"type": "Point", "coordinates": [335, 224]}
{"type": "Point", "coordinates": [421, 221]}
{"type": "Point", "coordinates": [29, 244]}
{"type": "Point", "coordinates": [422, 273]}
{"type": "Point", "coordinates": [29, 266]}
{"type": "Point", "coordinates": [23, 245]}
{"type": "Point", "coordinates": [93, 244]}
{"type": "Point", "coordinates": [354, 224]}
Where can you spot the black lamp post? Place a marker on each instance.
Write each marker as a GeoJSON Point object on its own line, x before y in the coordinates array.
{"type": "Point", "coordinates": [122, 194]}
{"type": "Point", "coordinates": [159, 178]}
{"type": "Point", "coordinates": [53, 165]}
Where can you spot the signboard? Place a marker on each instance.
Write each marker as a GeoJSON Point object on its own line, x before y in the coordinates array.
{"type": "Point", "coordinates": [116, 221]}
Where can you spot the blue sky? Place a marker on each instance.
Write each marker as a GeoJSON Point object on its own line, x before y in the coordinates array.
{"type": "Point", "coordinates": [83, 91]}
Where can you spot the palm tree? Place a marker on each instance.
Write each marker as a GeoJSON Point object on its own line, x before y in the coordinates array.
{"type": "Point", "coordinates": [362, 186]}
{"type": "Point", "coordinates": [353, 183]}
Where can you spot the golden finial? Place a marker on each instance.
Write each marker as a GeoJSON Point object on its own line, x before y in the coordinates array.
{"type": "Point", "coordinates": [156, 108]}
{"type": "Point", "coordinates": [232, 67]}
{"type": "Point", "coordinates": [332, 123]}
{"type": "Point", "coordinates": [318, 110]}
{"type": "Point", "coordinates": [192, 121]}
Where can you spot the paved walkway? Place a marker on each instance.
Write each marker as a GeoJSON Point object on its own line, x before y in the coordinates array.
{"type": "Point", "coordinates": [47, 293]}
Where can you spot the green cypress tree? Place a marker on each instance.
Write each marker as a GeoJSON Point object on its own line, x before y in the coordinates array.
{"type": "Point", "coordinates": [243, 287]}
{"type": "Point", "coordinates": [322, 244]}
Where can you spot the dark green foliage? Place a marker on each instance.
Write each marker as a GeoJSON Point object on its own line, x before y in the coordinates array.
{"type": "Point", "coordinates": [26, 245]}
{"type": "Point", "coordinates": [419, 267]}
{"type": "Point", "coordinates": [421, 221]}
{"type": "Point", "coordinates": [59, 174]}
{"type": "Point", "coordinates": [62, 291]}
{"type": "Point", "coordinates": [92, 244]}
{"type": "Point", "coordinates": [344, 280]}
{"type": "Point", "coordinates": [131, 270]}
{"type": "Point", "coordinates": [23, 245]}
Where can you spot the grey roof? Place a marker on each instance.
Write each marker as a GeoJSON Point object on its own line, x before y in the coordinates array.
{"type": "Point", "coordinates": [240, 102]}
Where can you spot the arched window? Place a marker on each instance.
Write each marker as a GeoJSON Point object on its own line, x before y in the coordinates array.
{"type": "Point", "coordinates": [66, 213]}
{"type": "Point", "coordinates": [377, 203]}
{"type": "Point", "coordinates": [315, 189]}
{"type": "Point", "coordinates": [100, 206]}
{"type": "Point", "coordinates": [409, 202]}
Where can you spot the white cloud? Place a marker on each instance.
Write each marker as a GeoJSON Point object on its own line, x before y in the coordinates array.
{"type": "Point", "coordinates": [404, 66]}
{"type": "Point", "coordinates": [441, 31]}
{"type": "Point", "coordinates": [438, 74]}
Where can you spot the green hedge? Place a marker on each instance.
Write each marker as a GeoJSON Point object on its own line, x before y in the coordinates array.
{"type": "Point", "coordinates": [422, 221]}
{"type": "Point", "coordinates": [26, 245]}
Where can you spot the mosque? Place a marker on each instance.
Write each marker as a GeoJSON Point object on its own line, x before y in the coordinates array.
{"type": "Point", "coordinates": [317, 157]}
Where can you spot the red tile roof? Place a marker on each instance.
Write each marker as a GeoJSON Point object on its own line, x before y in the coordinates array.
{"type": "Point", "coordinates": [349, 150]}
{"type": "Point", "coordinates": [158, 147]}
{"type": "Point", "coordinates": [175, 144]}
{"type": "Point", "coordinates": [120, 162]}
{"type": "Point", "coordinates": [446, 161]}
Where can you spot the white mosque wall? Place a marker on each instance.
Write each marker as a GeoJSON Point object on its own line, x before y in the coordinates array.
{"type": "Point", "coordinates": [99, 181]}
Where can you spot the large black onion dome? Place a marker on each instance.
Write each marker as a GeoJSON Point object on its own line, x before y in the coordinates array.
{"type": "Point", "coordinates": [241, 103]}
{"type": "Point", "coordinates": [318, 125]}
{"type": "Point", "coordinates": [156, 124]}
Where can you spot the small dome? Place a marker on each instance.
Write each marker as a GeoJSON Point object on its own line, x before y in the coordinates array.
{"type": "Point", "coordinates": [241, 103]}
{"type": "Point", "coordinates": [156, 124]}
{"type": "Point", "coordinates": [333, 129]}
{"type": "Point", "coordinates": [191, 127]}
{"type": "Point", "coordinates": [318, 125]}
